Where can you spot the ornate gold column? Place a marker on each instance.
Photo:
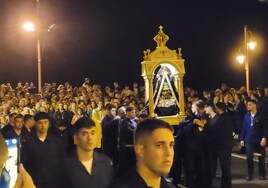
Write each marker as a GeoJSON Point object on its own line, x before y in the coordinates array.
{"type": "Point", "coordinates": [151, 95]}
{"type": "Point", "coordinates": [181, 94]}
{"type": "Point", "coordinates": [146, 85]}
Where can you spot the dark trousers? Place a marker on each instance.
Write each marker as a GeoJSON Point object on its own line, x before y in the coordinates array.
{"type": "Point", "coordinates": [213, 162]}
{"type": "Point", "coordinates": [196, 170]}
{"type": "Point", "coordinates": [224, 155]}
{"type": "Point", "coordinates": [127, 159]}
{"type": "Point", "coordinates": [252, 148]}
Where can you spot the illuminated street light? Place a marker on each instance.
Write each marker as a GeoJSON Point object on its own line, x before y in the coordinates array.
{"type": "Point", "coordinates": [241, 59]}
{"type": "Point", "coordinates": [244, 58]}
{"type": "Point", "coordinates": [252, 45]}
{"type": "Point", "coordinates": [29, 26]}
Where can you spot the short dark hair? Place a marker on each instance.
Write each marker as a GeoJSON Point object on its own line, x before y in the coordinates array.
{"type": "Point", "coordinates": [200, 104]}
{"type": "Point", "coordinates": [252, 101]}
{"type": "Point", "coordinates": [129, 108]}
{"type": "Point", "coordinates": [27, 117]}
{"type": "Point", "coordinates": [83, 122]}
{"type": "Point", "coordinates": [41, 115]}
{"type": "Point", "coordinates": [110, 107]}
{"type": "Point", "coordinates": [143, 115]}
{"type": "Point", "coordinates": [148, 126]}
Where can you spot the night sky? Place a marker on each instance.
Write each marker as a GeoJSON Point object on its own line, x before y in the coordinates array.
{"type": "Point", "coordinates": [104, 40]}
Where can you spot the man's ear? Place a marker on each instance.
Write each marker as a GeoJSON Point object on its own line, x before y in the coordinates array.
{"type": "Point", "coordinates": [75, 139]}
{"type": "Point", "coordinates": [139, 150]}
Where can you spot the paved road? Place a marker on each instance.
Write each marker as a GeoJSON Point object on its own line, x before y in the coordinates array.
{"type": "Point", "coordinates": [239, 172]}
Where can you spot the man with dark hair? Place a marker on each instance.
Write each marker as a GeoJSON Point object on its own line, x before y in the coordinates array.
{"type": "Point", "coordinates": [8, 127]}
{"type": "Point", "coordinates": [141, 117]}
{"type": "Point", "coordinates": [127, 128]}
{"type": "Point", "coordinates": [154, 150]}
{"type": "Point", "coordinates": [28, 123]}
{"type": "Point", "coordinates": [42, 153]}
{"type": "Point", "coordinates": [224, 142]}
{"type": "Point", "coordinates": [198, 107]}
{"type": "Point", "coordinates": [16, 131]}
{"type": "Point", "coordinates": [253, 137]}
{"type": "Point", "coordinates": [107, 135]}
{"type": "Point", "coordinates": [211, 136]}
{"type": "Point", "coordinates": [239, 114]}
{"type": "Point", "coordinates": [114, 136]}
{"type": "Point", "coordinates": [196, 158]}
{"type": "Point", "coordinates": [84, 167]}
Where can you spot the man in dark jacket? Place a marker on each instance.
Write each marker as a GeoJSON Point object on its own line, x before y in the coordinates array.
{"type": "Point", "coordinates": [224, 133]}
{"type": "Point", "coordinates": [127, 128]}
{"type": "Point", "coordinates": [42, 153]}
{"type": "Point", "coordinates": [154, 150]}
{"type": "Point", "coordinates": [253, 136]}
{"type": "Point", "coordinates": [85, 168]}
{"type": "Point", "coordinates": [107, 135]}
{"type": "Point", "coordinates": [196, 154]}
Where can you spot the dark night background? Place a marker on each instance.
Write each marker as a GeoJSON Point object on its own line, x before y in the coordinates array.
{"type": "Point", "coordinates": [104, 40]}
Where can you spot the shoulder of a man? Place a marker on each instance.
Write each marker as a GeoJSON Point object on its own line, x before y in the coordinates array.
{"type": "Point", "coordinates": [53, 138]}
{"type": "Point", "coordinates": [130, 179]}
{"type": "Point", "coordinates": [100, 158]}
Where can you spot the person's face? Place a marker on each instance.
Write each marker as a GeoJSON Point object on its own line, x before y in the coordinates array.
{"type": "Point", "coordinates": [86, 139]}
{"type": "Point", "coordinates": [194, 109]}
{"type": "Point", "coordinates": [251, 106]}
{"type": "Point", "coordinates": [100, 104]}
{"type": "Point", "coordinates": [60, 106]}
{"type": "Point", "coordinates": [157, 152]}
{"type": "Point", "coordinates": [30, 123]}
{"type": "Point", "coordinates": [131, 114]}
{"type": "Point", "coordinates": [79, 111]}
{"type": "Point", "coordinates": [112, 112]}
{"type": "Point", "coordinates": [18, 123]}
{"type": "Point", "coordinates": [42, 125]}
{"type": "Point", "coordinates": [208, 109]}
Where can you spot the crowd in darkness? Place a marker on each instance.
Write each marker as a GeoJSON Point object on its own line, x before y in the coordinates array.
{"type": "Point", "coordinates": [212, 118]}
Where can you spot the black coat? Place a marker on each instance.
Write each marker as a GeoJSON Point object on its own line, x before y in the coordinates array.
{"type": "Point", "coordinates": [224, 131]}
{"type": "Point", "coordinates": [75, 175]}
{"type": "Point", "coordinates": [133, 180]}
{"type": "Point", "coordinates": [41, 159]}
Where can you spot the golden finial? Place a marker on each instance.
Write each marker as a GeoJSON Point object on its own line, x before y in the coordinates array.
{"type": "Point", "coordinates": [161, 38]}
{"type": "Point", "coordinates": [146, 53]}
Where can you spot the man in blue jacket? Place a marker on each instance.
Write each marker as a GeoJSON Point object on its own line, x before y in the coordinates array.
{"type": "Point", "coordinates": [253, 137]}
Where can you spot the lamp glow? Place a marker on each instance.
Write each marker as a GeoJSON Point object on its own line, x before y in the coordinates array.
{"type": "Point", "coordinates": [252, 45]}
{"type": "Point", "coordinates": [29, 26]}
{"type": "Point", "coordinates": [241, 59]}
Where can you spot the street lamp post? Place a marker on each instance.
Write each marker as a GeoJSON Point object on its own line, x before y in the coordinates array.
{"type": "Point", "coordinates": [30, 27]}
{"type": "Point", "coordinates": [39, 67]}
{"type": "Point", "coordinates": [244, 58]}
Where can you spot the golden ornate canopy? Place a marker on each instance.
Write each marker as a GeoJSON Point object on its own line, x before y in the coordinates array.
{"type": "Point", "coordinates": [169, 59]}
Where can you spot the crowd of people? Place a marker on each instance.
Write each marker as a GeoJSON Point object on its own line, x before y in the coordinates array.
{"type": "Point", "coordinates": [84, 136]}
